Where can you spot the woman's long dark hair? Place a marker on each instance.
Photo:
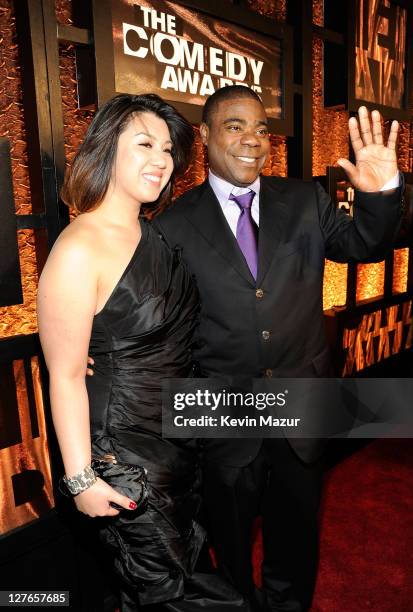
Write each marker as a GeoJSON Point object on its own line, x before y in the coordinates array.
{"type": "Point", "coordinates": [87, 180]}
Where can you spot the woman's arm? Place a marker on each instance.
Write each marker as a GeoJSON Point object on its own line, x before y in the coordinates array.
{"type": "Point", "coordinates": [67, 297]}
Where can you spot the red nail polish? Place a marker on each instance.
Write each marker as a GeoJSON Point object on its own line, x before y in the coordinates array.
{"type": "Point", "coordinates": [132, 506]}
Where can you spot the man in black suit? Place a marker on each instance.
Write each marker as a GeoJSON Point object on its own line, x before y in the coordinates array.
{"type": "Point", "coordinates": [262, 315]}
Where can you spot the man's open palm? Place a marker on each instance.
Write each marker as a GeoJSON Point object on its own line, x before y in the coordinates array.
{"type": "Point", "coordinates": [376, 163]}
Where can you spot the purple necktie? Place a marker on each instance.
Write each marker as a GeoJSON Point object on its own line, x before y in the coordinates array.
{"type": "Point", "coordinates": [247, 234]}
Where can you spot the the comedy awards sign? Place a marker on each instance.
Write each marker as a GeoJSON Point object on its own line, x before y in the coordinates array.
{"type": "Point", "coordinates": [184, 56]}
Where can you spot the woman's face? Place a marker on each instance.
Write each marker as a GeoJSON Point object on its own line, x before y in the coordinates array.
{"type": "Point", "coordinates": [143, 162]}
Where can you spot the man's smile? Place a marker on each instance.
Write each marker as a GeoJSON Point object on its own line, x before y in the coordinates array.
{"type": "Point", "coordinates": [249, 160]}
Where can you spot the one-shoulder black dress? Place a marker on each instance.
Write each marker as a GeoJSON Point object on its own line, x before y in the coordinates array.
{"type": "Point", "coordinates": [142, 335]}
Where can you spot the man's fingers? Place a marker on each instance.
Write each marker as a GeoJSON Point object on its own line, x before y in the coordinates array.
{"type": "Point", "coordinates": [356, 140]}
{"type": "Point", "coordinates": [90, 361]}
{"type": "Point", "coordinates": [365, 129]}
{"type": "Point", "coordinates": [391, 143]}
{"type": "Point", "coordinates": [377, 131]}
{"type": "Point", "coordinates": [349, 168]}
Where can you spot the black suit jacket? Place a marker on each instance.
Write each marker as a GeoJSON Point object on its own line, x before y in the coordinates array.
{"type": "Point", "coordinates": [299, 226]}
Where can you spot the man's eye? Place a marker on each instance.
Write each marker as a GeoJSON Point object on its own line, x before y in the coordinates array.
{"type": "Point", "coordinates": [234, 128]}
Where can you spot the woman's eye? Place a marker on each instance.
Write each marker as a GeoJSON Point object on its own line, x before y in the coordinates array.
{"type": "Point", "coordinates": [145, 144]}
{"type": "Point", "coordinates": [168, 151]}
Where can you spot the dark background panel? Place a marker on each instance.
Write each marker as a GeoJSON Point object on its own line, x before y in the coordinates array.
{"type": "Point", "coordinates": [10, 280]}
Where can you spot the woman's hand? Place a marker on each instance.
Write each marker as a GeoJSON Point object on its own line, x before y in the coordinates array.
{"type": "Point", "coordinates": [95, 501]}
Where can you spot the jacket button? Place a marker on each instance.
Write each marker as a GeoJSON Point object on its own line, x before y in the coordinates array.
{"type": "Point", "coordinates": [259, 293]}
{"type": "Point", "coordinates": [265, 334]}
{"type": "Point", "coordinates": [268, 373]}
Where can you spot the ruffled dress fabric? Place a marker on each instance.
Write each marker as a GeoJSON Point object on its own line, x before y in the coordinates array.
{"type": "Point", "coordinates": [142, 335]}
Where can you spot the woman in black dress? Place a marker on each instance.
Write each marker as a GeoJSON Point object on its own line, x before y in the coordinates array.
{"type": "Point", "coordinates": [111, 288]}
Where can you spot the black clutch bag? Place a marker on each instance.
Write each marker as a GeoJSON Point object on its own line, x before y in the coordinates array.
{"type": "Point", "coordinates": [130, 480]}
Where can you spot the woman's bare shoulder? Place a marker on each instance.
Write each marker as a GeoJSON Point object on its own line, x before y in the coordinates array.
{"type": "Point", "coordinates": [76, 247]}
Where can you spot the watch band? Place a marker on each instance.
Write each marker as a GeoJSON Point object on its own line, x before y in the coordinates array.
{"type": "Point", "coordinates": [80, 482]}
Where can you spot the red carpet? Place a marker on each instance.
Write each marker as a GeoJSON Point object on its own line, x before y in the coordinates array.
{"type": "Point", "coordinates": [366, 557]}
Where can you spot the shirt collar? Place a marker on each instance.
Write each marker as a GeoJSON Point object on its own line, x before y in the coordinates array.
{"type": "Point", "coordinates": [223, 189]}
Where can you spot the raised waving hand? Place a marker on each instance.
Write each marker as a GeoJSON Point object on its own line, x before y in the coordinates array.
{"type": "Point", "coordinates": [376, 162]}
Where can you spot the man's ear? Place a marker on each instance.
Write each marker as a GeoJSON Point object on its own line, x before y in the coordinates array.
{"type": "Point", "coordinates": [204, 131]}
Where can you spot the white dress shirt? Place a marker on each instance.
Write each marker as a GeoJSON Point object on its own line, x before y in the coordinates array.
{"type": "Point", "coordinates": [231, 210]}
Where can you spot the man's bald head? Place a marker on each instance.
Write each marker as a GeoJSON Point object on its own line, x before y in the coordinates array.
{"type": "Point", "coordinates": [230, 92]}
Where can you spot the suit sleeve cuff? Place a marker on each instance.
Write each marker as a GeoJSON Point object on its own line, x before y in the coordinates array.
{"type": "Point", "coordinates": [392, 183]}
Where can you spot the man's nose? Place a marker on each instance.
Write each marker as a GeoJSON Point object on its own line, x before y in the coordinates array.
{"type": "Point", "coordinates": [250, 138]}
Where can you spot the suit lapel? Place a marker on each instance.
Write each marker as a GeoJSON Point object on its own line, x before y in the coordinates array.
{"type": "Point", "coordinates": [273, 216]}
{"type": "Point", "coordinates": [206, 215]}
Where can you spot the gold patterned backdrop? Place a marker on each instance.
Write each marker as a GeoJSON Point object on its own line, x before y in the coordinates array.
{"type": "Point", "coordinates": [28, 458]}
{"type": "Point", "coordinates": [20, 319]}
{"type": "Point", "coordinates": [379, 74]}
{"type": "Point", "coordinates": [330, 142]}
